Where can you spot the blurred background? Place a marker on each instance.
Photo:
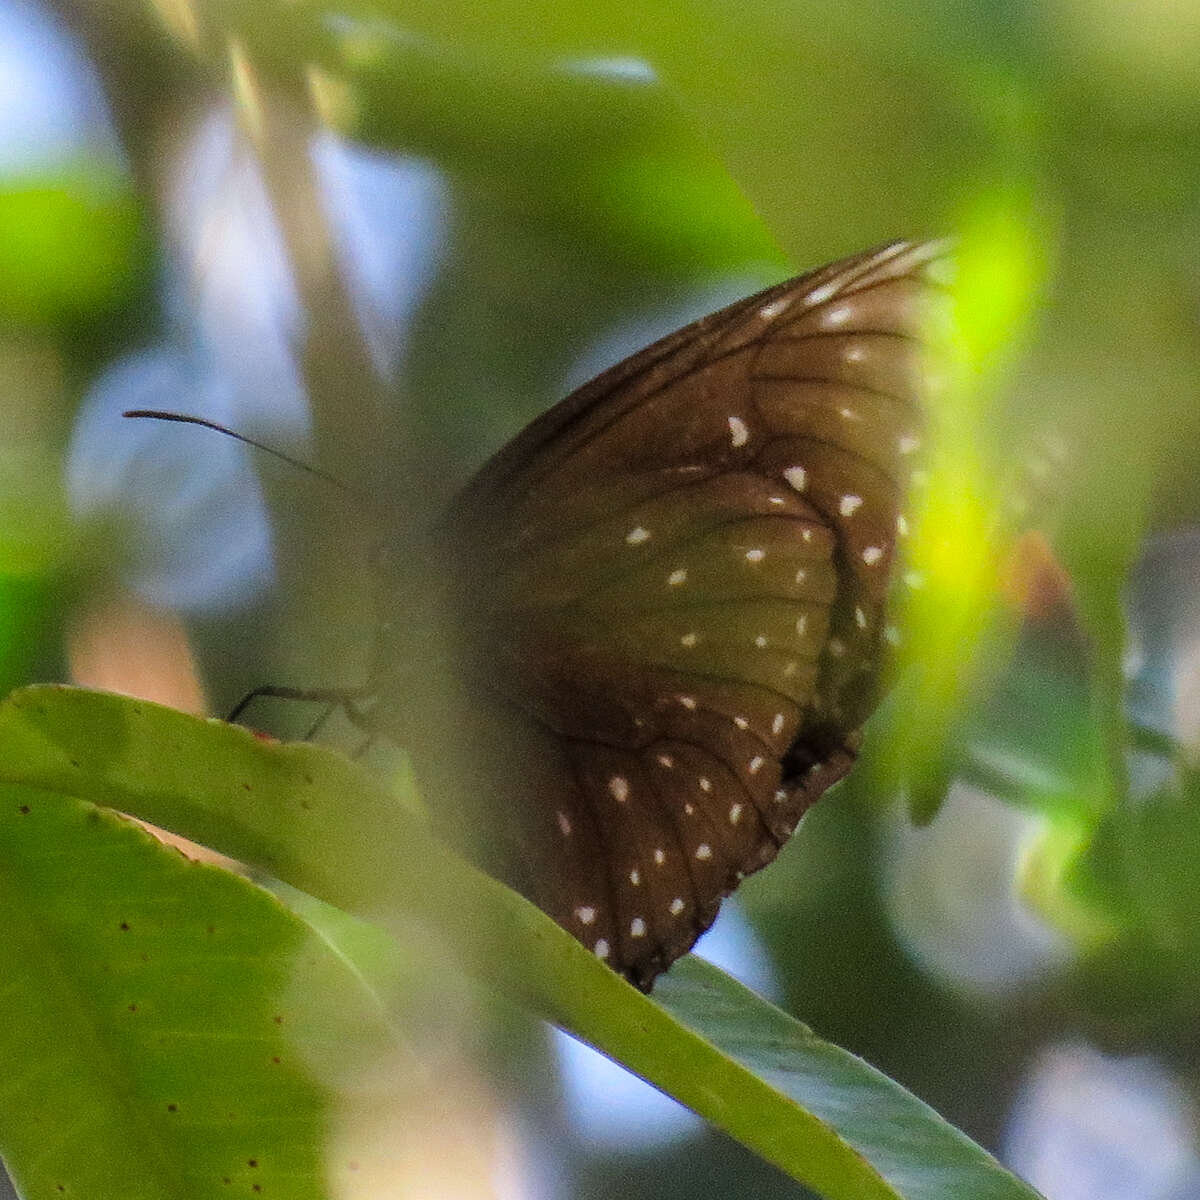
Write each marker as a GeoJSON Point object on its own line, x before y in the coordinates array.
{"type": "Point", "coordinates": [383, 237]}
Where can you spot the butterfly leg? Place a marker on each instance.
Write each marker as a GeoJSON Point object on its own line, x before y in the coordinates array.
{"type": "Point", "coordinates": [346, 702]}
{"type": "Point", "coordinates": [344, 698]}
{"type": "Point", "coordinates": [317, 725]}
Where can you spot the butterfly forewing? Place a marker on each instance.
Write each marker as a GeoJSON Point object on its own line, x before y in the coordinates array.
{"type": "Point", "coordinates": [670, 593]}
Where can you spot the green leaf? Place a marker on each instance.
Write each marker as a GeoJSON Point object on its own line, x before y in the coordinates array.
{"type": "Point", "coordinates": [325, 826]}
{"type": "Point", "coordinates": [905, 1142]}
{"type": "Point", "coordinates": [168, 1029]}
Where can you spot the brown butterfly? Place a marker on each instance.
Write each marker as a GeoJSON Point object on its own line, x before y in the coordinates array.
{"type": "Point", "coordinates": [645, 637]}
{"type": "Point", "coordinates": [666, 606]}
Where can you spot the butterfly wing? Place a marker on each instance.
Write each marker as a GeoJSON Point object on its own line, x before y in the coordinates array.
{"type": "Point", "coordinates": [670, 592]}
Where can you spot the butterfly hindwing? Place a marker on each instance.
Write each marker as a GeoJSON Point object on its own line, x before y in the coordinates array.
{"type": "Point", "coordinates": [671, 590]}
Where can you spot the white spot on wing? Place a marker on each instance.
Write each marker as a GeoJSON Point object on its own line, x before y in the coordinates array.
{"type": "Point", "coordinates": [735, 814]}
{"type": "Point", "coordinates": [902, 525]}
{"type": "Point", "coordinates": [838, 316]}
{"type": "Point", "coordinates": [637, 927]}
{"type": "Point", "coordinates": [601, 948]}
{"type": "Point", "coordinates": [665, 760]}
{"type": "Point", "coordinates": [705, 783]}
{"type": "Point", "coordinates": [860, 617]}
{"type": "Point", "coordinates": [908, 443]}
{"type": "Point", "coordinates": [688, 640]}
{"type": "Point", "coordinates": [796, 477]}
{"type": "Point", "coordinates": [755, 764]}
{"type": "Point", "coordinates": [660, 856]}
{"type": "Point", "coordinates": [755, 555]}
{"type": "Point", "coordinates": [586, 914]}
{"type": "Point", "coordinates": [777, 724]}
{"type": "Point", "coordinates": [677, 906]}
{"type": "Point", "coordinates": [739, 435]}
{"type": "Point", "coordinates": [635, 537]}
{"type": "Point", "coordinates": [688, 702]}
{"type": "Point", "coordinates": [677, 577]}
{"type": "Point", "coordinates": [704, 852]}
{"type": "Point", "coordinates": [837, 647]}
{"type": "Point", "coordinates": [943, 270]}
{"type": "Point", "coordinates": [872, 554]}
{"type": "Point", "coordinates": [761, 641]}
{"type": "Point", "coordinates": [849, 505]}
{"type": "Point", "coordinates": [564, 823]}
{"type": "Point", "coordinates": [635, 877]}
{"type": "Point", "coordinates": [820, 294]}
{"type": "Point", "coordinates": [741, 722]}
{"type": "Point", "coordinates": [770, 311]}
{"type": "Point", "coordinates": [801, 624]}
{"type": "Point", "coordinates": [849, 414]}
{"type": "Point", "coordinates": [618, 787]}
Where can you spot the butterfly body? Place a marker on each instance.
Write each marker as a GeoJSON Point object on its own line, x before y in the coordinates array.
{"type": "Point", "coordinates": [664, 606]}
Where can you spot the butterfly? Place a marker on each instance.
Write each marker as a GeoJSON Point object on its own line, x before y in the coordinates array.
{"type": "Point", "coordinates": [646, 635]}
{"type": "Point", "coordinates": [665, 607]}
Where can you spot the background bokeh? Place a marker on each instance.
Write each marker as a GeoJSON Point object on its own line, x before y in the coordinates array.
{"type": "Point", "coordinates": [383, 237]}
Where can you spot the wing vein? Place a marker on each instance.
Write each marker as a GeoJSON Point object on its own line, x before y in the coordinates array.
{"type": "Point", "coordinates": [772, 377]}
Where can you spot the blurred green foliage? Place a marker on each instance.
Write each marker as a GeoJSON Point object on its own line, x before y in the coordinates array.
{"type": "Point", "coordinates": [67, 247]}
{"type": "Point", "coordinates": [1058, 141]}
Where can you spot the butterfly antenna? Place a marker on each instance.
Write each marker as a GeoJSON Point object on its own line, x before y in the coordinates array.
{"type": "Point", "coordinates": [154, 414]}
